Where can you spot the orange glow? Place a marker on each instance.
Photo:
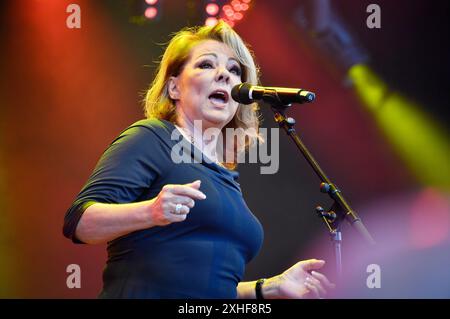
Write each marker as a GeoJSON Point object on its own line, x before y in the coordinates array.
{"type": "Point", "coordinates": [65, 77]}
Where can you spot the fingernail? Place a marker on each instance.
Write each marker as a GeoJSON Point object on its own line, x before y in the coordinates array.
{"type": "Point", "coordinates": [203, 196]}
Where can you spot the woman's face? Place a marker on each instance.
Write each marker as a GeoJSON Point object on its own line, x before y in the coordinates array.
{"type": "Point", "coordinates": [202, 90]}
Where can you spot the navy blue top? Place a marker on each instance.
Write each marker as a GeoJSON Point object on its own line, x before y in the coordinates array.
{"type": "Point", "coordinates": [201, 257]}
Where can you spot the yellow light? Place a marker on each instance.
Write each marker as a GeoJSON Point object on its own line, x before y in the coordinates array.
{"type": "Point", "coordinates": [369, 87]}
{"type": "Point", "coordinates": [420, 141]}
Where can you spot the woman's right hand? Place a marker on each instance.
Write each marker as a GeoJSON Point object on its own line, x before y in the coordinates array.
{"type": "Point", "coordinates": [163, 207]}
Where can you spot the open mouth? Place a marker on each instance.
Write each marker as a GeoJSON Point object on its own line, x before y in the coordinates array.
{"type": "Point", "coordinates": [219, 96]}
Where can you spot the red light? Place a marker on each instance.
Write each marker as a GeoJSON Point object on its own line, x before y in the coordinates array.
{"type": "Point", "coordinates": [211, 21]}
{"type": "Point", "coordinates": [212, 9]}
{"type": "Point", "coordinates": [151, 2]}
{"type": "Point", "coordinates": [237, 7]}
{"type": "Point", "coordinates": [151, 12]}
{"type": "Point", "coordinates": [230, 23]}
{"type": "Point", "coordinates": [233, 11]}
{"type": "Point", "coordinates": [229, 13]}
{"type": "Point", "coordinates": [238, 16]}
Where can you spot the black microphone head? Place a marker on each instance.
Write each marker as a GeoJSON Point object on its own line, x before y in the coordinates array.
{"type": "Point", "coordinates": [241, 93]}
{"type": "Point", "coordinates": [306, 96]}
{"type": "Point", "coordinates": [310, 96]}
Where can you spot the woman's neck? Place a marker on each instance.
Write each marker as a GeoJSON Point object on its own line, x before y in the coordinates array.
{"type": "Point", "coordinates": [207, 143]}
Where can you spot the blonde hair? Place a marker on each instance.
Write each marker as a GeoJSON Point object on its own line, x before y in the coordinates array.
{"type": "Point", "coordinates": [158, 103]}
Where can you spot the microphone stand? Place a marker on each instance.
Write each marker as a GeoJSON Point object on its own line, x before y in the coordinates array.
{"type": "Point", "coordinates": [340, 209]}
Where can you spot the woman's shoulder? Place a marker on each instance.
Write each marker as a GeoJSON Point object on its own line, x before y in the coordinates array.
{"type": "Point", "coordinates": [142, 139]}
{"type": "Point", "coordinates": [145, 131]}
{"type": "Point", "coordinates": [149, 127]}
{"type": "Point", "coordinates": [154, 124]}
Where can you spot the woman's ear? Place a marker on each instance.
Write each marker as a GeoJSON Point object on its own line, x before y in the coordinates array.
{"type": "Point", "coordinates": [172, 87]}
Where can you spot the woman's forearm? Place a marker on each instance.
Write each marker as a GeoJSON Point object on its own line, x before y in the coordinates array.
{"type": "Point", "coordinates": [101, 223]}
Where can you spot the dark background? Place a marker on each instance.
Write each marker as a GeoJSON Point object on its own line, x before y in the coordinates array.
{"type": "Point", "coordinates": [66, 94]}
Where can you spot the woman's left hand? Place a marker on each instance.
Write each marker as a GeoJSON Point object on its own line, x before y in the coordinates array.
{"type": "Point", "coordinates": [301, 281]}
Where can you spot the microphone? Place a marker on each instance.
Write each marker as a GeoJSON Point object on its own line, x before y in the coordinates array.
{"type": "Point", "coordinates": [246, 93]}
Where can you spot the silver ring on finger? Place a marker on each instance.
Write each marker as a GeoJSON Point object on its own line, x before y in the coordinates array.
{"type": "Point", "coordinates": [178, 209]}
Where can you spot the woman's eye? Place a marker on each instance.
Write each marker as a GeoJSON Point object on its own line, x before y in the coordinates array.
{"type": "Point", "coordinates": [205, 65]}
{"type": "Point", "coordinates": [236, 70]}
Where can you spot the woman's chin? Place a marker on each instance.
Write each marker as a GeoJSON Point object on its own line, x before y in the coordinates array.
{"type": "Point", "coordinates": [217, 119]}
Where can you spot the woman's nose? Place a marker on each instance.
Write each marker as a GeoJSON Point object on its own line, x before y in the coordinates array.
{"type": "Point", "coordinates": [223, 75]}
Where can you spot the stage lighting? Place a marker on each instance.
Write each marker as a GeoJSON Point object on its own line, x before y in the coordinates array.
{"type": "Point", "coordinates": [233, 11]}
{"type": "Point", "coordinates": [211, 21]}
{"type": "Point", "coordinates": [145, 11]}
{"type": "Point", "coordinates": [152, 10]}
{"type": "Point", "coordinates": [330, 34]}
{"type": "Point", "coordinates": [419, 140]}
{"type": "Point", "coordinates": [212, 11]}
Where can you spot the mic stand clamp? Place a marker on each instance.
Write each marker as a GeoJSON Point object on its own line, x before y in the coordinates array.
{"type": "Point", "coordinates": [330, 220]}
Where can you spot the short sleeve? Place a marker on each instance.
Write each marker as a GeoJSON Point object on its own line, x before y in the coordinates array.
{"type": "Point", "coordinates": [125, 170]}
